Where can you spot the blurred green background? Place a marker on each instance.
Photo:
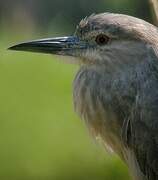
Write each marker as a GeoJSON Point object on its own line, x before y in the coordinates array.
{"type": "Point", "coordinates": [40, 135]}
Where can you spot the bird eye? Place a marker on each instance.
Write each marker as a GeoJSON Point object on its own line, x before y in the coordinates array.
{"type": "Point", "coordinates": [102, 39]}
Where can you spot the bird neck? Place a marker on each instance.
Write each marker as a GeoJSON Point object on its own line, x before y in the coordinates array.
{"type": "Point", "coordinates": [116, 91]}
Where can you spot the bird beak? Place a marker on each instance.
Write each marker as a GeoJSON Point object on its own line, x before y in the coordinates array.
{"type": "Point", "coordinates": [58, 45]}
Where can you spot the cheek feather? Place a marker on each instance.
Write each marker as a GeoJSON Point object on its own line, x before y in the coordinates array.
{"type": "Point", "coordinates": [92, 56]}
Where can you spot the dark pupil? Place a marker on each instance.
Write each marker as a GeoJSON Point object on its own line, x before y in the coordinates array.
{"type": "Point", "coordinates": [102, 40]}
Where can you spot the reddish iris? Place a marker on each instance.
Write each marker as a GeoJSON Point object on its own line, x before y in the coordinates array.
{"type": "Point", "coordinates": [102, 39]}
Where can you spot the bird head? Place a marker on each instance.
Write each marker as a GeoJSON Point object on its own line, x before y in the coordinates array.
{"type": "Point", "coordinates": [105, 39]}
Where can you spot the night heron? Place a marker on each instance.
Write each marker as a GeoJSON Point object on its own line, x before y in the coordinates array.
{"type": "Point", "coordinates": [116, 88]}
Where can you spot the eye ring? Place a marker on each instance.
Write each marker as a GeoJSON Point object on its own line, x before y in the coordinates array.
{"type": "Point", "coordinates": [102, 39]}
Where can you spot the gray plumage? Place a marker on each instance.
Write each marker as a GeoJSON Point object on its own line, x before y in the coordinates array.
{"type": "Point", "coordinates": [116, 88]}
{"type": "Point", "coordinates": [118, 97]}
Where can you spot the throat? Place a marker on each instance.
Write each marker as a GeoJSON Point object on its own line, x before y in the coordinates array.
{"type": "Point", "coordinates": [96, 85]}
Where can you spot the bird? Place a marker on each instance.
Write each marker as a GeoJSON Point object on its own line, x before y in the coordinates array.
{"type": "Point", "coordinates": [116, 88]}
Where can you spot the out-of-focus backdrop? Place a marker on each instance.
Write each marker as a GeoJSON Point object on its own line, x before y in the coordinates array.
{"type": "Point", "coordinates": [40, 135]}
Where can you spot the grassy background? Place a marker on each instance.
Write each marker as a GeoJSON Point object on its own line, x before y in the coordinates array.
{"type": "Point", "coordinates": [40, 135]}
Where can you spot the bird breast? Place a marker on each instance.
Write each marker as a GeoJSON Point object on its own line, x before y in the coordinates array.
{"type": "Point", "coordinates": [95, 103]}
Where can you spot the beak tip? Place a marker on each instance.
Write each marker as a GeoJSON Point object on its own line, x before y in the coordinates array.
{"type": "Point", "coordinates": [18, 47]}
{"type": "Point", "coordinates": [10, 48]}
{"type": "Point", "coordinates": [13, 48]}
